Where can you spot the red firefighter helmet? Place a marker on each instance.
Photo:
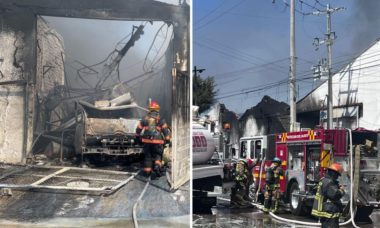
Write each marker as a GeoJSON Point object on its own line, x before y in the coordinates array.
{"type": "Point", "coordinates": [336, 167]}
{"type": "Point", "coordinates": [154, 106]}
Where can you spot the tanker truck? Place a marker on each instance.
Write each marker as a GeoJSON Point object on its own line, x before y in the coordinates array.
{"type": "Point", "coordinates": [207, 172]}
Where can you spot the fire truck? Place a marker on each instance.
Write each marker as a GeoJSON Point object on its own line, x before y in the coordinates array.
{"type": "Point", "coordinates": [305, 157]}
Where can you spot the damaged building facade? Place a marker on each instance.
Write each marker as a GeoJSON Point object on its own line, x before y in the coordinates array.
{"type": "Point", "coordinates": [355, 95]}
{"type": "Point", "coordinates": [225, 127]}
{"type": "Point", "coordinates": [32, 69]}
{"type": "Point", "coordinates": [267, 117]}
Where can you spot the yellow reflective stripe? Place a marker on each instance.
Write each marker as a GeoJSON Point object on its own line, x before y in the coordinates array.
{"type": "Point", "coordinates": [257, 175]}
{"type": "Point", "coordinates": [324, 214]}
{"type": "Point", "coordinates": [311, 134]}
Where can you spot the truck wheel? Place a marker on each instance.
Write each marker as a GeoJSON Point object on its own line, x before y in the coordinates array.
{"type": "Point", "coordinates": [78, 140]}
{"type": "Point", "coordinates": [296, 204]}
{"type": "Point", "coordinates": [363, 213]}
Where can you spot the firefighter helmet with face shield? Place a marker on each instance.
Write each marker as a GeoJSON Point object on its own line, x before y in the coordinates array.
{"type": "Point", "coordinates": [154, 106]}
{"type": "Point", "coordinates": [336, 167]}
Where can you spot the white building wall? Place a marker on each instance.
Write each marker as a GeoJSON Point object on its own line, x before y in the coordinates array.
{"type": "Point", "coordinates": [359, 82]}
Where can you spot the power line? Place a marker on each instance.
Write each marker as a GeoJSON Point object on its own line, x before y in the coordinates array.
{"type": "Point", "coordinates": [211, 12]}
{"type": "Point", "coordinates": [307, 4]}
{"type": "Point", "coordinates": [219, 16]}
{"type": "Point", "coordinates": [319, 3]}
{"type": "Point", "coordinates": [282, 82]}
{"type": "Point", "coordinates": [240, 53]}
{"type": "Point", "coordinates": [296, 10]}
{"type": "Point", "coordinates": [238, 73]}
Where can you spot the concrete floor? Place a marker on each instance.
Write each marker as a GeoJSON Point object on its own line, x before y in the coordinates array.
{"type": "Point", "coordinates": [158, 207]}
{"type": "Point", "coordinates": [223, 216]}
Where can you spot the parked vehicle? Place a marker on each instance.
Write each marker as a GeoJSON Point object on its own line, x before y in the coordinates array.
{"type": "Point", "coordinates": [106, 129]}
{"type": "Point", "coordinates": [305, 156]}
{"type": "Point", "coordinates": [207, 172]}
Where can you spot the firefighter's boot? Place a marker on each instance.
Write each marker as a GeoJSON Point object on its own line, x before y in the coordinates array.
{"type": "Point", "coordinates": [239, 200]}
{"type": "Point", "coordinates": [163, 170]}
{"type": "Point", "coordinates": [266, 206]}
{"type": "Point", "coordinates": [274, 207]}
{"type": "Point", "coordinates": [147, 173]}
{"type": "Point", "coordinates": [156, 172]}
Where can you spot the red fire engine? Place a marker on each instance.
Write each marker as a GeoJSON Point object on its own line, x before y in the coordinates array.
{"type": "Point", "coordinates": [306, 155]}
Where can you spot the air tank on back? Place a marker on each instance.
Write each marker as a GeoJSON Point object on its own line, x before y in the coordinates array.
{"type": "Point", "coordinates": [203, 142]}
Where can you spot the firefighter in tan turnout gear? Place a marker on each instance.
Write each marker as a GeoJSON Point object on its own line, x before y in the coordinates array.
{"type": "Point", "coordinates": [153, 133]}
{"type": "Point", "coordinates": [327, 205]}
{"type": "Point", "coordinates": [239, 196]}
{"type": "Point", "coordinates": [272, 186]}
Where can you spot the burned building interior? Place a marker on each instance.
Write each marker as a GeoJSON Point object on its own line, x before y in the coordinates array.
{"type": "Point", "coordinates": [75, 78]}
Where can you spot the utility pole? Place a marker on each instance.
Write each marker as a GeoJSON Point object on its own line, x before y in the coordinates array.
{"type": "Point", "coordinates": [195, 73]}
{"type": "Point", "coordinates": [329, 39]}
{"type": "Point", "coordinates": [292, 69]}
{"type": "Point", "coordinates": [329, 60]}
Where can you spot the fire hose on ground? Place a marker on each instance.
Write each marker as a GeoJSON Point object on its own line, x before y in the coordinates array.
{"type": "Point", "coordinates": [134, 213]}
{"type": "Point", "coordinates": [352, 211]}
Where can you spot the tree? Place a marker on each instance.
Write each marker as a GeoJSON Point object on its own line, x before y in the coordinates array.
{"type": "Point", "coordinates": [203, 92]}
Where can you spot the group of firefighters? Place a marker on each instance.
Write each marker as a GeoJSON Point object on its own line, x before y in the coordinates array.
{"type": "Point", "coordinates": [327, 205]}
{"type": "Point", "coordinates": [154, 133]}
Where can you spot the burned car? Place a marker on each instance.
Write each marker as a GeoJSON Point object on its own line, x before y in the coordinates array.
{"type": "Point", "coordinates": [106, 128]}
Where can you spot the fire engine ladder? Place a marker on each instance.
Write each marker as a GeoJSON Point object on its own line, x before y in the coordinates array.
{"type": "Point", "coordinates": [66, 179]}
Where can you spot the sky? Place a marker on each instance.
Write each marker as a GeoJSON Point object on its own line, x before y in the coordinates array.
{"type": "Point", "coordinates": [244, 44]}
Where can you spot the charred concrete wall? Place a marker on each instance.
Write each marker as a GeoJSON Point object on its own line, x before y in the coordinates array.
{"type": "Point", "coordinates": [50, 59]}
{"type": "Point", "coordinates": [50, 74]}
{"type": "Point", "coordinates": [233, 133]}
{"type": "Point", "coordinates": [220, 115]}
{"type": "Point", "coordinates": [17, 66]}
{"type": "Point", "coordinates": [181, 100]}
{"type": "Point", "coordinates": [267, 117]}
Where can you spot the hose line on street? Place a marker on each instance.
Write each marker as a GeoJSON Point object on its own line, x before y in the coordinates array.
{"type": "Point", "coordinates": [352, 186]}
{"type": "Point", "coordinates": [134, 216]}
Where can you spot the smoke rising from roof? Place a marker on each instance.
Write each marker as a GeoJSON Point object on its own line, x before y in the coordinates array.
{"type": "Point", "coordinates": [366, 23]}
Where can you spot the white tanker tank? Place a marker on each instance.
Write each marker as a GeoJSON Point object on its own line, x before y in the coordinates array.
{"type": "Point", "coordinates": [206, 177]}
{"type": "Point", "coordinates": [203, 144]}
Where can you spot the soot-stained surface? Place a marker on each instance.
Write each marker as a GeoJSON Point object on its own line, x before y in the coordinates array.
{"type": "Point", "coordinates": [41, 207]}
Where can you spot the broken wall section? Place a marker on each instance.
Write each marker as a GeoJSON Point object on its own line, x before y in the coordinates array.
{"type": "Point", "coordinates": [50, 76]}
{"type": "Point", "coordinates": [17, 66]}
{"type": "Point", "coordinates": [50, 82]}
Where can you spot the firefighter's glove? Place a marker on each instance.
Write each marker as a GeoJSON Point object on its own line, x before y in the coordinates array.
{"type": "Point", "coordinates": [168, 143]}
{"type": "Point", "coordinates": [341, 188]}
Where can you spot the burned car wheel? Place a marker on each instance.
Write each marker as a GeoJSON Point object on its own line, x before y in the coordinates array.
{"type": "Point", "coordinates": [78, 140]}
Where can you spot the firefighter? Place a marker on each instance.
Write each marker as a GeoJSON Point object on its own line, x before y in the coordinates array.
{"type": "Point", "coordinates": [239, 191]}
{"type": "Point", "coordinates": [272, 186]}
{"type": "Point", "coordinates": [327, 205]}
{"type": "Point", "coordinates": [153, 132]}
